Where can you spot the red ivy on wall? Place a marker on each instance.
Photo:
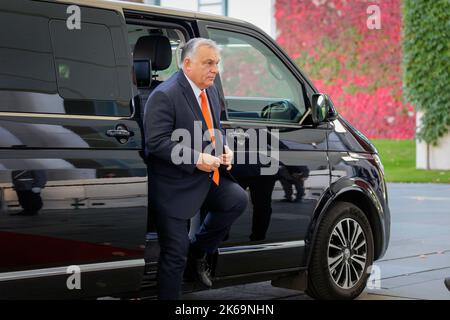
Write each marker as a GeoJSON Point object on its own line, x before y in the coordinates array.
{"type": "Point", "coordinates": [360, 68]}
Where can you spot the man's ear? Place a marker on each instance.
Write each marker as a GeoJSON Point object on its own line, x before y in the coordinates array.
{"type": "Point", "coordinates": [187, 64]}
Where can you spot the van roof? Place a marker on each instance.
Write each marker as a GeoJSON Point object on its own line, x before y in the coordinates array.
{"type": "Point", "coordinates": [126, 5]}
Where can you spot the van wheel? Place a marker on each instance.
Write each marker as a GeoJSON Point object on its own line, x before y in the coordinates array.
{"type": "Point", "coordinates": [341, 255]}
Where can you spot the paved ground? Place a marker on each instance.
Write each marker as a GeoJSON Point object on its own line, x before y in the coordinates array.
{"type": "Point", "coordinates": [415, 265]}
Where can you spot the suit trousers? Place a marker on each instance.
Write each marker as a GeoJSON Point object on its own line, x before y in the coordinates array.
{"type": "Point", "coordinates": [225, 203]}
{"type": "Point", "coordinates": [30, 202]}
{"type": "Point", "coordinates": [261, 189]}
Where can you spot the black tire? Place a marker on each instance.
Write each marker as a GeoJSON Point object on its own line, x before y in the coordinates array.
{"type": "Point", "coordinates": [346, 276]}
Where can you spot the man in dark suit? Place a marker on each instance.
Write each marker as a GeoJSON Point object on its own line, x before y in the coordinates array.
{"type": "Point", "coordinates": [188, 103]}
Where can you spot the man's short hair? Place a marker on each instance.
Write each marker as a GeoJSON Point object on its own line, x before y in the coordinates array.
{"type": "Point", "coordinates": [190, 48]}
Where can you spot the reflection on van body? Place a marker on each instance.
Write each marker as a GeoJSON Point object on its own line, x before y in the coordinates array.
{"type": "Point", "coordinates": [101, 203]}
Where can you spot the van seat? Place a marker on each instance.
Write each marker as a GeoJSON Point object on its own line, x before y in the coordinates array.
{"type": "Point", "coordinates": [157, 50]}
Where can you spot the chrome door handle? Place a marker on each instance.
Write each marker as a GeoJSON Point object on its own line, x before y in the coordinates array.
{"type": "Point", "coordinates": [238, 134]}
{"type": "Point", "coordinates": [119, 133]}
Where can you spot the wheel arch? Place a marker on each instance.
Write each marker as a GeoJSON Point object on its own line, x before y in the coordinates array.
{"type": "Point", "coordinates": [361, 195]}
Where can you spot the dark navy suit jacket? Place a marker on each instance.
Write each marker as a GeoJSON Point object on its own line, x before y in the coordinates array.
{"type": "Point", "coordinates": [177, 190]}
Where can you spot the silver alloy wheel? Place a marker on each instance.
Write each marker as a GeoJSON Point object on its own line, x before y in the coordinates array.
{"type": "Point", "coordinates": [347, 253]}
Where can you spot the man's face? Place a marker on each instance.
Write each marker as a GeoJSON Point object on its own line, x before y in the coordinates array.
{"type": "Point", "coordinates": [203, 67]}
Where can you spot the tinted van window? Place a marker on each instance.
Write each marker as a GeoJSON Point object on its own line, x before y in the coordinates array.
{"type": "Point", "coordinates": [47, 68]}
{"type": "Point", "coordinates": [84, 61]}
{"type": "Point", "coordinates": [256, 83]}
{"type": "Point", "coordinates": [26, 58]}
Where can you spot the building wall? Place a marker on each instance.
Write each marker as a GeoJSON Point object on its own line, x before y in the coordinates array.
{"type": "Point", "coordinates": [257, 12]}
{"type": "Point", "coordinates": [433, 157]}
{"type": "Point", "coordinates": [180, 4]}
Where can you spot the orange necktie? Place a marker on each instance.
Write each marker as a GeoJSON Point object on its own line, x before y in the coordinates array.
{"type": "Point", "coordinates": [207, 116]}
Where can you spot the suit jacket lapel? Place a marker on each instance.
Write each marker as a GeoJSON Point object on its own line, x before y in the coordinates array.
{"type": "Point", "coordinates": [191, 99]}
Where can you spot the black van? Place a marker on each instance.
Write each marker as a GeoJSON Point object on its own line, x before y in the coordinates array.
{"type": "Point", "coordinates": [74, 218]}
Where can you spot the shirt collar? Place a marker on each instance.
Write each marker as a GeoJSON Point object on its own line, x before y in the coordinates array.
{"type": "Point", "coordinates": [194, 87]}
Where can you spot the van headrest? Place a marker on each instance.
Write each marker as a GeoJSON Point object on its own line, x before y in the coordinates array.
{"type": "Point", "coordinates": [155, 48]}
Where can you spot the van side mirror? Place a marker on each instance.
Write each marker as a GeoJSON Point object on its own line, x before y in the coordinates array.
{"type": "Point", "coordinates": [322, 108]}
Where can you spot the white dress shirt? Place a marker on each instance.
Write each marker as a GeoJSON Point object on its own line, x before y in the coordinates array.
{"type": "Point", "coordinates": [197, 92]}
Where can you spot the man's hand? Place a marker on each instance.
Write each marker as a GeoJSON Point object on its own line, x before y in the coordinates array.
{"type": "Point", "coordinates": [227, 157]}
{"type": "Point", "coordinates": [207, 162]}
